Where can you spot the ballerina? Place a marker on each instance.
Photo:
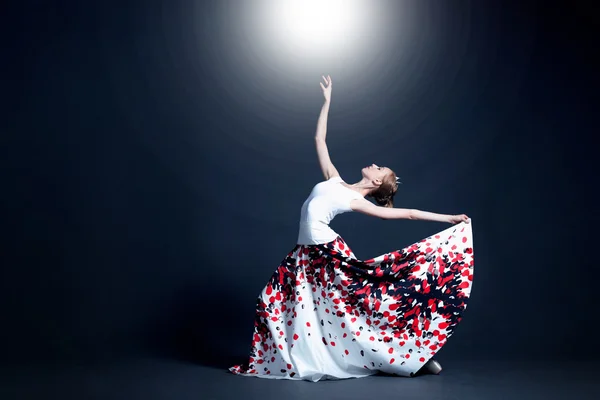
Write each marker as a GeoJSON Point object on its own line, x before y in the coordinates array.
{"type": "Point", "coordinates": [327, 315]}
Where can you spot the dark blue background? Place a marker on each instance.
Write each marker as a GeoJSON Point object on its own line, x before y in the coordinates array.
{"type": "Point", "coordinates": [152, 175]}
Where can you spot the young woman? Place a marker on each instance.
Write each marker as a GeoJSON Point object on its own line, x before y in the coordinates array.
{"type": "Point", "coordinates": [327, 315]}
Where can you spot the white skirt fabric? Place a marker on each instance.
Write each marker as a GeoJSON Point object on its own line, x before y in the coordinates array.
{"type": "Point", "coordinates": [326, 315]}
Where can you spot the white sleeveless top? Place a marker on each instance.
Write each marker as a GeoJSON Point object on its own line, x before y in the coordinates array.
{"type": "Point", "coordinates": [327, 199]}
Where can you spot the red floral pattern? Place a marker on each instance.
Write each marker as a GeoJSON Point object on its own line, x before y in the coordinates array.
{"type": "Point", "coordinates": [327, 315]}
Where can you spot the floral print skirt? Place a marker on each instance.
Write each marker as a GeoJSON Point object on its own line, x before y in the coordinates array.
{"type": "Point", "coordinates": [324, 314]}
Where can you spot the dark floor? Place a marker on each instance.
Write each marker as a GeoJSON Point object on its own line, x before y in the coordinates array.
{"type": "Point", "coordinates": [171, 379]}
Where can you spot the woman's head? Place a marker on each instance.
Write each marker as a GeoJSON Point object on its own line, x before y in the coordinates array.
{"type": "Point", "coordinates": [384, 184]}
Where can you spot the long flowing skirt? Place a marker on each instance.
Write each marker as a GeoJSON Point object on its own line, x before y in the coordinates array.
{"type": "Point", "coordinates": [327, 315]}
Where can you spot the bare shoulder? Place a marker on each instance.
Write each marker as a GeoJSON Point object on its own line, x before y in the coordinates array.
{"type": "Point", "coordinates": [333, 173]}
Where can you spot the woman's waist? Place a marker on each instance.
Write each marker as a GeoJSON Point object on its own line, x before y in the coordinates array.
{"type": "Point", "coordinates": [314, 223]}
{"type": "Point", "coordinates": [315, 232]}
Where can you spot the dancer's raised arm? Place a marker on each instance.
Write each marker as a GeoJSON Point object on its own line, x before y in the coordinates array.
{"type": "Point", "coordinates": [366, 207]}
{"type": "Point", "coordinates": [327, 167]}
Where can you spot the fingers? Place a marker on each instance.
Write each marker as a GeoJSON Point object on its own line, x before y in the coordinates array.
{"type": "Point", "coordinates": [322, 87]}
{"type": "Point", "coordinates": [326, 80]}
{"type": "Point", "coordinates": [460, 218]}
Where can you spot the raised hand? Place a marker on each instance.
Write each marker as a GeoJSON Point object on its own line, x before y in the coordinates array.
{"type": "Point", "coordinates": [326, 88]}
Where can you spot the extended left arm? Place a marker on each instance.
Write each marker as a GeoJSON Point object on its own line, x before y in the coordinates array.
{"type": "Point", "coordinates": [366, 207]}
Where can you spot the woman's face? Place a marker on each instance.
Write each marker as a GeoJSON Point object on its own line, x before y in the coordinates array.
{"type": "Point", "coordinates": [375, 173]}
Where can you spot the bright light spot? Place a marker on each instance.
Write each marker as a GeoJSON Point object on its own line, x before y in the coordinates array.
{"type": "Point", "coordinates": [321, 26]}
{"type": "Point", "coordinates": [308, 37]}
{"type": "Point", "coordinates": [317, 21]}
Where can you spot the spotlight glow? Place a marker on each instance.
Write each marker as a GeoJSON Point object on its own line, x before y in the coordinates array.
{"type": "Point", "coordinates": [308, 37]}
{"type": "Point", "coordinates": [319, 26]}
{"type": "Point", "coordinates": [317, 21]}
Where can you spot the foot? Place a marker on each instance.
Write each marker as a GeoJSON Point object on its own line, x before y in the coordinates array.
{"type": "Point", "coordinates": [431, 367]}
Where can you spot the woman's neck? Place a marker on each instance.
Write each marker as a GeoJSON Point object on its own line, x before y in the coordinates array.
{"type": "Point", "coordinates": [364, 187]}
